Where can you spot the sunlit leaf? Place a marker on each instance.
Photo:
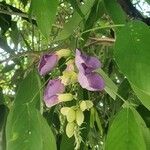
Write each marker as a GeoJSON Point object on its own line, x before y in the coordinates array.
{"type": "Point", "coordinates": [110, 86]}
{"type": "Point", "coordinates": [45, 13]}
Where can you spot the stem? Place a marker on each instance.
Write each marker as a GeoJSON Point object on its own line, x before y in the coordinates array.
{"type": "Point", "coordinates": [103, 27]}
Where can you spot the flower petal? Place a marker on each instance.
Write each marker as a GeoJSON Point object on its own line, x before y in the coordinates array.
{"type": "Point", "coordinates": [47, 63]}
{"type": "Point", "coordinates": [86, 63]}
{"type": "Point", "coordinates": [92, 81]}
{"type": "Point", "coordinates": [53, 88]}
{"type": "Point", "coordinates": [53, 100]}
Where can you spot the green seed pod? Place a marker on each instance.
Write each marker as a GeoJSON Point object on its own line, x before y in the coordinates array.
{"type": "Point", "coordinates": [71, 115]}
{"type": "Point", "coordinates": [79, 117]}
{"type": "Point", "coordinates": [70, 129]}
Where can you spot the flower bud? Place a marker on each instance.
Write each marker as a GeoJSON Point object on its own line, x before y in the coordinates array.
{"type": "Point", "coordinates": [68, 77]}
{"type": "Point", "coordinates": [70, 129]}
{"type": "Point", "coordinates": [83, 106]}
{"type": "Point", "coordinates": [86, 105]}
{"type": "Point", "coordinates": [71, 115]}
{"type": "Point", "coordinates": [64, 110]}
{"type": "Point", "coordinates": [70, 65]}
{"type": "Point", "coordinates": [89, 104]}
{"type": "Point", "coordinates": [63, 53]}
{"type": "Point", "coordinates": [65, 97]}
{"type": "Point", "coordinates": [79, 117]}
{"type": "Point", "coordinates": [74, 78]}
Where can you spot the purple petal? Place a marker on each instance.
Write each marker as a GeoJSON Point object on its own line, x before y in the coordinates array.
{"type": "Point", "coordinates": [92, 81]}
{"type": "Point", "coordinates": [51, 101]}
{"type": "Point", "coordinates": [86, 63]}
{"type": "Point", "coordinates": [47, 63]}
{"type": "Point", "coordinates": [53, 88]}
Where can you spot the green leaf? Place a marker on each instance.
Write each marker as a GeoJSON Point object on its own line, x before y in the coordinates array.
{"type": "Point", "coordinates": [3, 114]}
{"type": "Point", "coordinates": [96, 13]}
{"type": "Point", "coordinates": [115, 11]}
{"type": "Point", "coordinates": [148, 1]}
{"type": "Point", "coordinates": [145, 130]}
{"type": "Point", "coordinates": [76, 5]}
{"type": "Point", "coordinates": [73, 23]}
{"type": "Point", "coordinates": [98, 122]}
{"type": "Point", "coordinates": [14, 33]}
{"type": "Point", "coordinates": [8, 68]}
{"type": "Point", "coordinates": [1, 96]}
{"type": "Point", "coordinates": [26, 129]}
{"type": "Point", "coordinates": [110, 86]}
{"type": "Point", "coordinates": [45, 13]}
{"type": "Point", "coordinates": [133, 57]}
{"type": "Point", "coordinates": [24, 2]}
{"type": "Point", "coordinates": [125, 133]}
{"type": "Point", "coordinates": [144, 97]}
{"type": "Point", "coordinates": [29, 90]}
{"type": "Point", "coordinates": [67, 143]}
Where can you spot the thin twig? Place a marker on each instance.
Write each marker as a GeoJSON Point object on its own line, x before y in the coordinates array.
{"type": "Point", "coordinates": [106, 41]}
{"type": "Point", "coordinates": [103, 40]}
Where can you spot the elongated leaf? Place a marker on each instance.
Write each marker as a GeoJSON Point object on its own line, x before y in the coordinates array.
{"type": "Point", "coordinates": [75, 5]}
{"type": "Point", "coordinates": [115, 11]}
{"type": "Point", "coordinates": [26, 129]}
{"type": "Point", "coordinates": [125, 133]}
{"type": "Point", "coordinates": [133, 57]}
{"type": "Point", "coordinates": [110, 86]}
{"type": "Point", "coordinates": [96, 13]}
{"type": "Point", "coordinates": [73, 23]}
{"type": "Point", "coordinates": [3, 117]}
{"type": "Point", "coordinates": [45, 13]}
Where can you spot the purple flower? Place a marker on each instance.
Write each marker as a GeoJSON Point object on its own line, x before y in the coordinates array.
{"type": "Point", "coordinates": [91, 81]}
{"type": "Point", "coordinates": [54, 87]}
{"type": "Point", "coordinates": [47, 63]}
{"type": "Point", "coordinates": [86, 63]}
{"type": "Point", "coordinates": [87, 78]}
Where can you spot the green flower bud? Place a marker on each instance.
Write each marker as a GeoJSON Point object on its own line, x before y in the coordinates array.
{"type": "Point", "coordinates": [89, 104]}
{"type": "Point", "coordinates": [70, 129]}
{"type": "Point", "coordinates": [64, 110]}
{"type": "Point", "coordinates": [74, 78]}
{"type": "Point", "coordinates": [83, 106]}
{"type": "Point", "coordinates": [63, 53]}
{"type": "Point", "coordinates": [86, 105]}
{"type": "Point", "coordinates": [68, 77]}
{"type": "Point", "coordinates": [71, 115]}
{"type": "Point", "coordinates": [79, 117]}
{"type": "Point", "coordinates": [65, 97]}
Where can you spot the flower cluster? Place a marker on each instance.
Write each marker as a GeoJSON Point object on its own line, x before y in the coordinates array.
{"type": "Point", "coordinates": [87, 77]}
{"type": "Point", "coordinates": [79, 70]}
{"type": "Point", "coordinates": [75, 115]}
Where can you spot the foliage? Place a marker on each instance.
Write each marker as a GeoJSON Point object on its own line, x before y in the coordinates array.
{"type": "Point", "coordinates": [93, 105]}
